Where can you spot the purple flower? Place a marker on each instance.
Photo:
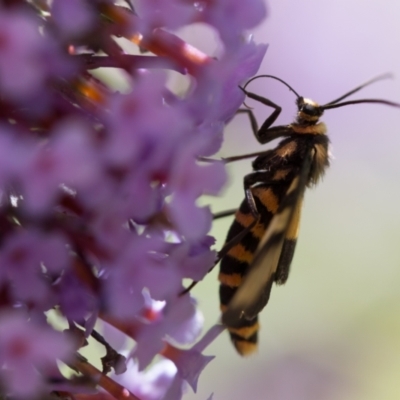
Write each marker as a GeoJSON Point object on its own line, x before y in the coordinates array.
{"type": "Point", "coordinates": [230, 18]}
{"type": "Point", "coordinates": [169, 378]}
{"type": "Point", "coordinates": [73, 17]}
{"type": "Point", "coordinates": [99, 190]}
{"type": "Point", "coordinates": [195, 260]}
{"type": "Point", "coordinates": [161, 14]}
{"type": "Point", "coordinates": [127, 278]}
{"type": "Point", "coordinates": [27, 58]}
{"type": "Point", "coordinates": [76, 301]}
{"type": "Point", "coordinates": [67, 159]}
{"type": "Point", "coordinates": [188, 181]}
{"type": "Point", "coordinates": [26, 349]}
{"type": "Point", "coordinates": [136, 136]}
{"type": "Point", "coordinates": [152, 384]}
{"type": "Point", "coordinates": [29, 261]}
{"type": "Point", "coordinates": [177, 320]}
{"type": "Point", "coordinates": [190, 363]}
{"type": "Point", "coordinates": [232, 71]}
{"type": "Point", "coordinates": [13, 150]}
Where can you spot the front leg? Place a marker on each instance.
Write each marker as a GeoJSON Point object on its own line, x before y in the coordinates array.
{"type": "Point", "coordinates": [265, 134]}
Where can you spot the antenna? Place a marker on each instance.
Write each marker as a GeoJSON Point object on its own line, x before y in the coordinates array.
{"type": "Point", "coordinates": [273, 77]}
{"type": "Point", "coordinates": [335, 103]}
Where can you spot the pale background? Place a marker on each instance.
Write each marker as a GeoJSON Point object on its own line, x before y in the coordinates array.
{"type": "Point", "coordinates": [333, 331]}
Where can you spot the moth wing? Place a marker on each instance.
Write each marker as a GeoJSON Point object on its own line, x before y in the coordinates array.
{"type": "Point", "coordinates": [289, 245]}
{"type": "Point", "coordinates": [281, 273]}
{"type": "Point", "coordinates": [253, 294]}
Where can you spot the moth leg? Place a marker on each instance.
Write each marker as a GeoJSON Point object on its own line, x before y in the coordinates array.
{"type": "Point", "coordinates": [270, 120]}
{"type": "Point", "coordinates": [252, 118]}
{"type": "Point", "coordinates": [249, 181]}
{"type": "Point", "coordinates": [223, 214]}
{"type": "Point", "coordinates": [251, 178]}
{"type": "Point", "coordinates": [222, 253]}
{"type": "Point", "coordinates": [227, 160]}
{"type": "Point", "coordinates": [266, 133]}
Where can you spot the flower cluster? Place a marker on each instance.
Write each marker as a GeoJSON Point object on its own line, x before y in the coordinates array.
{"type": "Point", "coordinates": [98, 189]}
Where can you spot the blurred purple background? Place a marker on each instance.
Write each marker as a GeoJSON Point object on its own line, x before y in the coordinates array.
{"type": "Point", "coordinates": [333, 331]}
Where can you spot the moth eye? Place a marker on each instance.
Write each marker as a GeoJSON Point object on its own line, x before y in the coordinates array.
{"type": "Point", "coordinates": [310, 110]}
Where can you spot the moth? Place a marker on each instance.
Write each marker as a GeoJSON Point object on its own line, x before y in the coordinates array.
{"type": "Point", "coordinates": [262, 238]}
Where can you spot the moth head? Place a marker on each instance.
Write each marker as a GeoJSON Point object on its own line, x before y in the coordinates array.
{"type": "Point", "coordinates": [308, 110]}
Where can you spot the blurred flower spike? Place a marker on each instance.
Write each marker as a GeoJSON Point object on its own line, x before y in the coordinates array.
{"type": "Point", "coordinates": [98, 190]}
